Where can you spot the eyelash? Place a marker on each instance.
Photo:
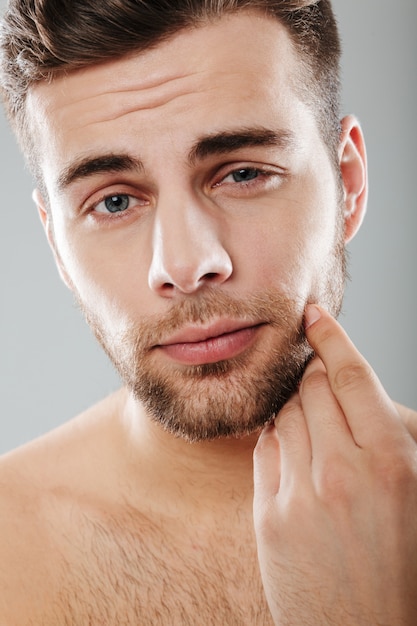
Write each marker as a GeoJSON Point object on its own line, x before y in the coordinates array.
{"type": "Point", "coordinates": [118, 195]}
{"type": "Point", "coordinates": [262, 175]}
{"type": "Point", "coordinates": [109, 216]}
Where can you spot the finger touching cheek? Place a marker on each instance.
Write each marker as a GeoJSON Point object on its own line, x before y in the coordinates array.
{"type": "Point", "coordinates": [326, 422]}
{"type": "Point", "coordinates": [368, 410]}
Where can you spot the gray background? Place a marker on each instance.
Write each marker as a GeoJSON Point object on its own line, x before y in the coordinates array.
{"type": "Point", "coordinates": [51, 368]}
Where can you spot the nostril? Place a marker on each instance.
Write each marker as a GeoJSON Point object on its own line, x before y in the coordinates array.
{"type": "Point", "coordinates": [210, 276]}
{"type": "Point", "coordinates": [172, 273]}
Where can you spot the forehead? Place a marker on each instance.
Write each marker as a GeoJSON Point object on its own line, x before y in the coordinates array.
{"type": "Point", "coordinates": [244, 42]}
{"type": "Point", "coordinates": [228, 67]}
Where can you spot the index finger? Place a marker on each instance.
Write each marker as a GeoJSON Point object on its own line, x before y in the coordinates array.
{"type": "Point", "coordinates": [369, 412]}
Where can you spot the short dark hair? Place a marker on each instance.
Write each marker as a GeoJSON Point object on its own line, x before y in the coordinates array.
{"type": "Point", "coordinates": [40, 39]}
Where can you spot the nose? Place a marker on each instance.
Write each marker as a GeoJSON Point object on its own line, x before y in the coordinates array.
{"type": "Point", "coordinates": [187, 250]}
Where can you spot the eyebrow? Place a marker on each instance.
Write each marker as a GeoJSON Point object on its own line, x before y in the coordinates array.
{"type": "Point", "coordinates": [230, 141]}
{"type": "Point", "coordinates": [89, 166]}
{"type": "Point", "coordinates": [209, 145]}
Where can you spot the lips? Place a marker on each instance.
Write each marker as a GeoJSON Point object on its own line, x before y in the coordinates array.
{"type": "Point", "coordinates": [218, 342]}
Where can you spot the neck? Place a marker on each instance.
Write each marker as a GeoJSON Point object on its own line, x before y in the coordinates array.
{"type": "Point", "coordinates": [204, 478]}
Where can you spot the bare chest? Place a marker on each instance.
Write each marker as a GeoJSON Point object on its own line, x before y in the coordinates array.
{"type": "Point", "coordinates": [152, 575]}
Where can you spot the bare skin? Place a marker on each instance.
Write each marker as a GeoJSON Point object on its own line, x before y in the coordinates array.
{"type": "Point", "coordinates": [340, 458]}
{"type": "Point", "coordinates": [90, 526]}
{"type": "Point", "coordinates": [99, 535]}
{"type": "Point", "coordinates": [111, 519]}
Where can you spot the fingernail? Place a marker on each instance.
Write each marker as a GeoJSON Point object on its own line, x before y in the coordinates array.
{"type": "Point", "coordinates": [311, 315]}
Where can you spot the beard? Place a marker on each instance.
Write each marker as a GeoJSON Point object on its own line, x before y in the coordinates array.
{"type": "Point", "coordinates": [230, 398]}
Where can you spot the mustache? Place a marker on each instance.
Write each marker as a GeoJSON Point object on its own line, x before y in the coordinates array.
{"type": "Point", "coordinates": [267, 307]}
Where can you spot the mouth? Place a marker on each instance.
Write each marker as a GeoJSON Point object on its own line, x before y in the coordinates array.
{"type": "Point", "coordinates": [219, 342]}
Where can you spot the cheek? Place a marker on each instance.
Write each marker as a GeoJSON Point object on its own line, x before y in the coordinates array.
{"type": "Point", "coordinates": [107, 272]}
{"type": "Point", "coordinates": [285, 252]}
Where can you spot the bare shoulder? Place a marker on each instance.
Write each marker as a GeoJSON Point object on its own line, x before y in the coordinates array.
{"type": "Point", "coordinates": [25, 539]}
{"type": "Point", "coordinates": [41, 484]}
{"type": "Point", "coordinates": [51, 459]}
{"type": "Point", "coordinates": [54, 458]}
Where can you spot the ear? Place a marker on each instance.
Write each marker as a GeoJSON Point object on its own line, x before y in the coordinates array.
{"type": "Point", "coordinates": [353, 168]}
{"type": "Point", "coordinates": [46, 220]}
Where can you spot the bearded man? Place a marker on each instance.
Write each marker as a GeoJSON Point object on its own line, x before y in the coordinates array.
{"type": "Point", "coordinates": [198, 190]}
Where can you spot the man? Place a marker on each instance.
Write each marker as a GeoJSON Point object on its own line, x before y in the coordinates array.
{"type": "Point", "coordinates": [197, 190]}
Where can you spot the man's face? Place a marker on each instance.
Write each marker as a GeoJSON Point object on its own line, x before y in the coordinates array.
{"type": "Point", "coordinates": [194, 212]}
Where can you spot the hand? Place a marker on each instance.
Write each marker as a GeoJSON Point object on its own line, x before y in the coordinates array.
{"type": "Point", "coordinates": [335, 505]}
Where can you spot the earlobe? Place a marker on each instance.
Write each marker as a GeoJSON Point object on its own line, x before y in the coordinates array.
{"type": "Point", "coordinates": [46, 220]}
{"type": "Point", "coordinates": [353, 168]}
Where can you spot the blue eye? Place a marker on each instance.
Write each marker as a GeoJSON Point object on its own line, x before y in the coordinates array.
{"type": "Point", "coordinates": [245, 174]}
{"type": "Point", "coordinates": [117, 203]}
